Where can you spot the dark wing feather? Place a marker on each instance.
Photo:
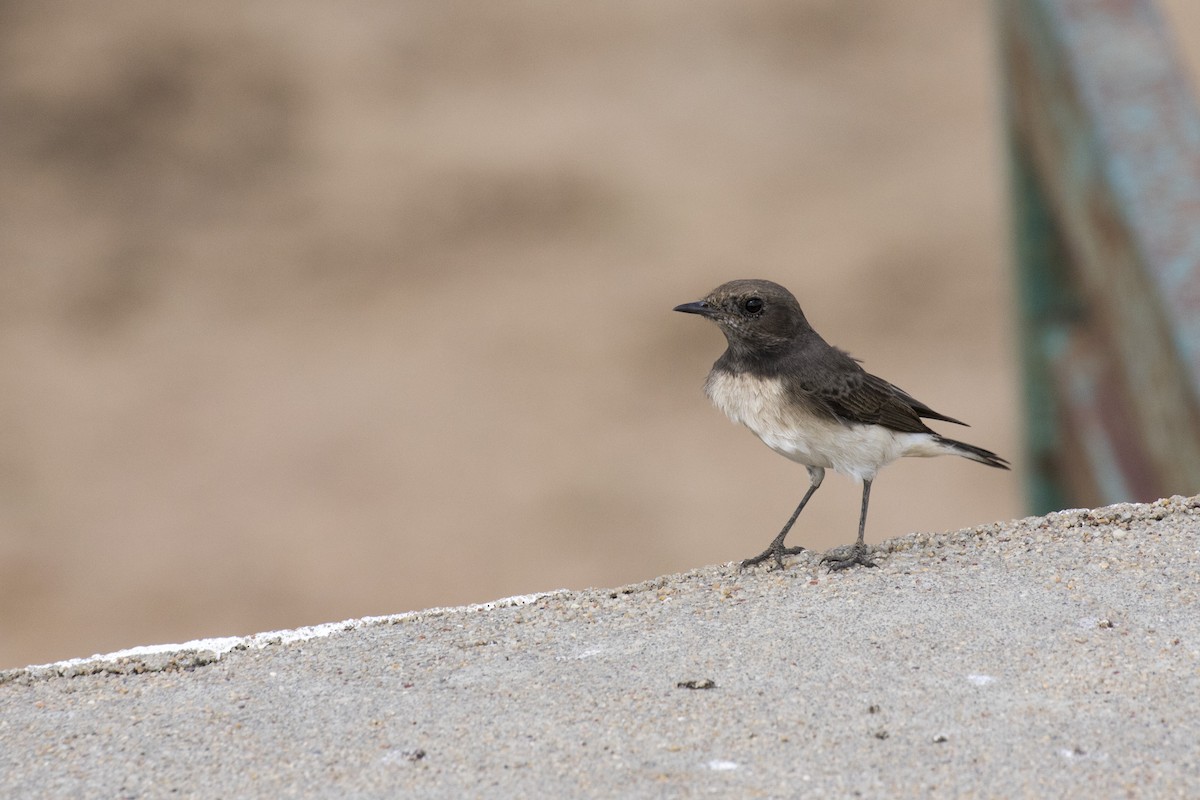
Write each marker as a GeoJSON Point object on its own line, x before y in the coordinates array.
{"type": "Point", "coordinates": [835, 383]}
{"type": "Point", "coordinates": [868, 399]}
{"type": "Point", "coordinates": [923, 410]}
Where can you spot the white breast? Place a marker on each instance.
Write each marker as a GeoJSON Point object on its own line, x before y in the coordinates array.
{"type": "Point", "coordinates": [790, 429]}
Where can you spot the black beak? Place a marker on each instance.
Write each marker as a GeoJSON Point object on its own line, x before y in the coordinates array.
{"type": "Point", "coordinates": [699, 307]}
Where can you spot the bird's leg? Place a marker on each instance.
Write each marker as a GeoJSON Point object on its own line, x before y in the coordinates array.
{"type": "Point", "coordinates": [857, 554]}
{"type": "Point", "coordinates": [776, 549]}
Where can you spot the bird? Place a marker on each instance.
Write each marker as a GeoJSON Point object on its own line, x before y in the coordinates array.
{"type": "Point", "coordinates": [813, 403]}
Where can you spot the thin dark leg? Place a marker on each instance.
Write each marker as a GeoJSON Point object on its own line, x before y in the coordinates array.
{"type": "Point", "coordinates": [862, 515]}
{"type": "Point", "coordinates": [858, 553]}
{"type": "Point", "coordinates": [776, 549]}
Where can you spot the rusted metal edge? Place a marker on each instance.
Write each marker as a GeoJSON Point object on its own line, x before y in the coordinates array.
{"type": "Point", "coordinates": [1101, 116]}
{"type": "Point", "coordinates": [1093, 409]}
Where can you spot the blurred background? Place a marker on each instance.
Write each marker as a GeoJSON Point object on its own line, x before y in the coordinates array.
{"type": "Point", "coordinates": [312, 311]}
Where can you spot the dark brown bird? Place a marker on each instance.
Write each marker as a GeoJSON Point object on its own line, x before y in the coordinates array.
{"type": "Point", "coordinates": [812, 402]}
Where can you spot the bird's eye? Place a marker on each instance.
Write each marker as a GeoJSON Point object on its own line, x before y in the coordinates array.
{"type": "Point", "coordinates": [753, 305]}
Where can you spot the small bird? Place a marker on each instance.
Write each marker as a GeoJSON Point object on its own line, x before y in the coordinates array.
{"type": "Point", "coordinates": [813, 403]}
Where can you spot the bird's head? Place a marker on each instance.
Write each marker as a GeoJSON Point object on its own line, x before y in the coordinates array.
{"type": "Point", "coordinates": [753, 314]}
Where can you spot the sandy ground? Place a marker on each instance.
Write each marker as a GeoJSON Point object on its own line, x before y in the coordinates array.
{"type": "Point", "coordinates": [309, 313]}
{"type": "Point", "coordinates": [1047, 657]}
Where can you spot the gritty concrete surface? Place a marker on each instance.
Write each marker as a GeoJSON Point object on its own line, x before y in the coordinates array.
{"type": "Point", "coordinates": [1052, 656]}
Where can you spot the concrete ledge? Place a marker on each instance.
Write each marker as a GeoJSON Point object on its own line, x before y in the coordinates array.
{"type": "Point", "coordinates": [1049, 656]}
{"type": "Point", "coordinates": [197, 653]}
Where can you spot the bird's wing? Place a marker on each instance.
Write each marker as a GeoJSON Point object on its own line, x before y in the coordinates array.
{"type": "Point", "coordinates": [837, 385]}
{"type": "Point", "coordinates": [867, 399]}
{"type": "Point", "coordinates": [920, 408]}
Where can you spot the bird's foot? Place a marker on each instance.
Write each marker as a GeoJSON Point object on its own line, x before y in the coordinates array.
{"type": "Point", "coordinates": [776, 551]}
{"type": "Point", "coordinates": [847, 556]}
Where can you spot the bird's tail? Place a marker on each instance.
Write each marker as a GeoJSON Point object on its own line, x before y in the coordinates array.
{"type": "Point", "coordinates": [974, 453]}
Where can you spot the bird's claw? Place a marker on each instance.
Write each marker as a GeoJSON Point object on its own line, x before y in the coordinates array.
{"type": "Point", "coordinates": [847, 556]}
{"type": "Point", "coordinates": [776, 552]}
